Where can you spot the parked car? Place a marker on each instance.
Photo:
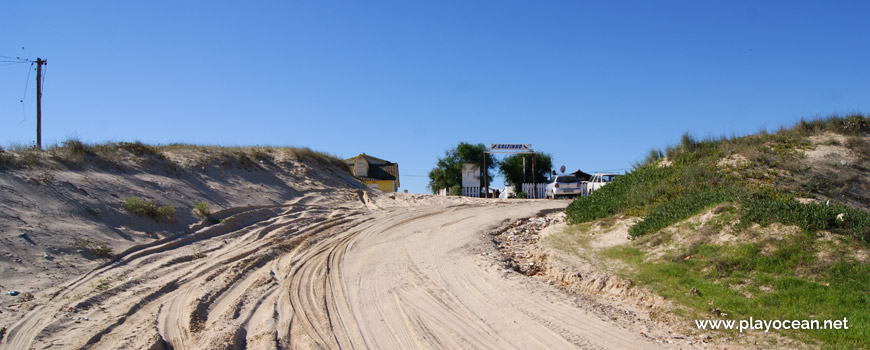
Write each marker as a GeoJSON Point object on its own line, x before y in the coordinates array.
{"type": "Point", "coordinates": [597, 181]}
{"type": "Point", "coordinates": [563, 186]}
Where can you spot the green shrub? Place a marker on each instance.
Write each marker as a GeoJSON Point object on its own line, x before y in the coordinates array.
{"type": "Point", "coordinates": [693, 182]}
{"type": "Point", "coordinates": [850, 125]}
{"type": "Point", "coordinates": [630, 193]}
{"type": "Point", "coordinates": [726, 275]}
{"type": "Point", "coordinates": [680, 208]}
{"type": "Point", "coordinates": [774, 278]}
{"type": "Point", "coordinates": [140, 149]}
{"type": "Point", "coordinates": [167, 212]}
{"type": "Point", "coordinates": [202, 210]}
{"type": "Point", "coordinates": [261, 153]}
{"type": "Point", "coordinates": [654, 155]}
{"type": "Point", "coordinates": [150, 209]}
{"type": "Point", "coordinates": [103, 284]}
{"type": "Point", "coordinates": [100, 250]}
{"type": "Point", "coordinates": [77, 147]}
{"type": "Point", "coordinates": [768, 206]}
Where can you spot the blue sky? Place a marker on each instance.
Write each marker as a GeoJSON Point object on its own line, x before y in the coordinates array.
{"type": "Point", "coordinates": [594, 83]}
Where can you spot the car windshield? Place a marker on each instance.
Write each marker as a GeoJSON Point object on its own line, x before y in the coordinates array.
{"type": "Point", "coordinates": [566, 179]}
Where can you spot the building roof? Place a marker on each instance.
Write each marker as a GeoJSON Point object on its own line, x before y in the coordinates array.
{"type": "Point", "coordinates": [382, 172]}
{"type": "Point", "coordinates": [379, 169]}
{"type": "Point", "coordinates": [368, 158]}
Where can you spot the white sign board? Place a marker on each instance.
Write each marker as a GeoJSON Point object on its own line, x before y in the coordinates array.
{"type": "Point", "coordinates": [470, 175]}
{"type": "Point", "coordinates": [518, 147]}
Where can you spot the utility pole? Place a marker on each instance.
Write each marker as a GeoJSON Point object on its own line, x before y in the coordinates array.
{"type": "Point", "coordinates": [39, 63]}
{"type": "Point", "coordinates": [485, 175]}
{"type": "Point", "coordinates": [534, 182]}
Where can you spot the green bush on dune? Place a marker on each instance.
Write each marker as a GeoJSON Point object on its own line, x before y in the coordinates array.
{"type": "Point", "coordinates": [664, 195]}
{"type": "Point", "coordinates": [787, 277]}
{"type": "Point", "coordinates": [150, 209]}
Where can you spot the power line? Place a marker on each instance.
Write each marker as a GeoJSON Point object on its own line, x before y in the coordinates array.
{"type": "Point", "coordinates": [24, 97]}
{"type": "Point", "coordinates": [44, 72]}
{"type": "Point", "coordinates": [14, 58]}
{"type": "Point", "coordinates": [611, 170]}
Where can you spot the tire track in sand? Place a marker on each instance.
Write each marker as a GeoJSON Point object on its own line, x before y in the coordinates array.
{"type": "Point", "coordinates": [373, 277]}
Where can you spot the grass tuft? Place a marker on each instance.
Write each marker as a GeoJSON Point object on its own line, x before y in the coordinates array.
{"type": "Point", "coordinates": [202, 210]}
{"type": "Point", "coordinates": [149, 209]}
{"type": "Point", "coordinates": [100, 250]}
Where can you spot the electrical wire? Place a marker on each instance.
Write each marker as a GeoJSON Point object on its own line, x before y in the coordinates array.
{"type": "Point", "coordinates": [26, 84]}
{"type": "Point", "coordinates": [44, 72]}
{"type": "Point", "coordinates": [15, 58]}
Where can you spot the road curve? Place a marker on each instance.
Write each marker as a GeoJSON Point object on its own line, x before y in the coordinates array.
{"type": "Point", "coordinates": [319, 277]}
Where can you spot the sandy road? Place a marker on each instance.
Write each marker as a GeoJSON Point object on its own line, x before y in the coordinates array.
{"type": "Point", "coordinates": [303, 276]}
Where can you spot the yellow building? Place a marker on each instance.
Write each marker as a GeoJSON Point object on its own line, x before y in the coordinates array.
{"type": "Point", "coordinates": [375, 172]}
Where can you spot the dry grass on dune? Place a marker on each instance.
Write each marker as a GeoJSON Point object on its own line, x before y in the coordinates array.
{"type": "Point", "coordinates": [75, 153]}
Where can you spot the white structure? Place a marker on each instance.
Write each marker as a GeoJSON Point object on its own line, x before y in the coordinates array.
{"type": "Point", "coordinates": [541, 189]}
{"type": "Point", "coordinates": [470, 180]}
{"type": "Point", "coordinates": [508, 190]}
{"type": "Point", "coordinates": [527, 188]}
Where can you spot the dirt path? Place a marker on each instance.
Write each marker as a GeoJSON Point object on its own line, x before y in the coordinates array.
{"type": "Point", "coordinates": [332, 277]}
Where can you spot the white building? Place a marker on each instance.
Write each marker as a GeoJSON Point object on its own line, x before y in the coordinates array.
{"type": "Point", "coordinates": [470, 180]}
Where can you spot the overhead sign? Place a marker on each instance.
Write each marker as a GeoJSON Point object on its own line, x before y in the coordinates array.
{"type": "Point", "coordinates": [510, 147]}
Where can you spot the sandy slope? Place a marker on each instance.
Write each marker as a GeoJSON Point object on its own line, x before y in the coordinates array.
{"type": "Point", "coordinates": [44, 209]}
{"type": "Point", "coordinates": [388, 272]}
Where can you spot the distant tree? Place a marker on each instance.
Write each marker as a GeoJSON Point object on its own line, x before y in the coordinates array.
{"type": "Point", "coordinates": [448, 171]}
{"type": "Point", "coordinates": [512, 168]}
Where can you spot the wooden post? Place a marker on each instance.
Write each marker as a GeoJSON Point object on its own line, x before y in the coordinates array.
{"type": "Point", "coordinates": [534, 182]}
{"type": "Point", "coordinates": [485, 183]}
{"type": "Point", "coordinates": [39, 63]}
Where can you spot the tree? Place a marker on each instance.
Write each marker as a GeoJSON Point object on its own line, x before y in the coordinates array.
{"type": "Point", "coordinates": [512, 168]}
{"type": "Point", "coordinates": [448, 171]}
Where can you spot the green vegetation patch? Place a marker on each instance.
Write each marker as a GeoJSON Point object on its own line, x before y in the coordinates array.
{"type": "Point", "coordinates": [202, 210]}
{"type": "Point", "coordinates": [767, 206]}
{"type": "Point", "coordinates": [695, 181]}
{"type": "Point", "coordinates": [760, 177]}
{"type": "Point", "coordinates": [772, 280]}
{"type": "Point", "coordinates": [100, 250]}
{"type": "Point", "coordinates": [150, 209]}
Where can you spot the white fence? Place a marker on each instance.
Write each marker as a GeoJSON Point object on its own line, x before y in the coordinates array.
{"type": "Point", "coordinates": [541, 188]}
{"type": "Point", "coordinates": [471, 191]}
